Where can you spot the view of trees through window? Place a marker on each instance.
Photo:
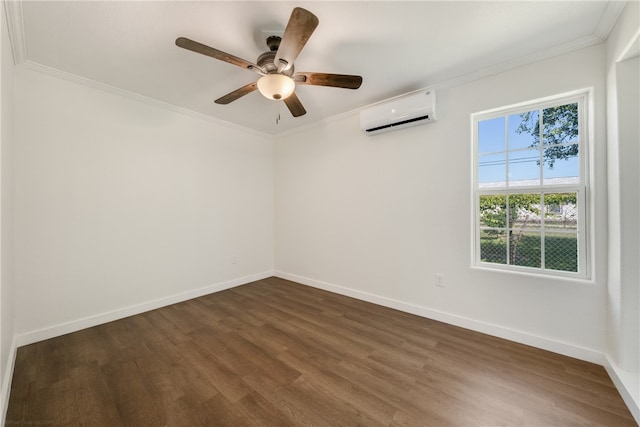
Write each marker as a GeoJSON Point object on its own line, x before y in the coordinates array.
{"type": "Point", "coordinates": [528, 176]}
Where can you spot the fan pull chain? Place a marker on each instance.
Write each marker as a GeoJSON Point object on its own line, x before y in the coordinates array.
{"type": "Point", "coordinates": [278, 114]}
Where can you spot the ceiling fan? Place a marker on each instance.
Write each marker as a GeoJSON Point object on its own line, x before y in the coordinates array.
{"type": "Point", "coordinates": [278, 78]}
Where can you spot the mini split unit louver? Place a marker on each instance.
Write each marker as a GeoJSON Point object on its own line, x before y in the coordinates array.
{"type": "Point", "coordinates": [400, 113]}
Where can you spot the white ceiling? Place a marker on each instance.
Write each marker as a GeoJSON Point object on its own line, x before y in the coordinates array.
{"type": "Point", "coordinates": [397, 47]}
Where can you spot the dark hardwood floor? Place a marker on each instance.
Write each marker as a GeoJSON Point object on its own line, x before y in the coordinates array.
{"type": "Point", "coordinates": [276, 353]}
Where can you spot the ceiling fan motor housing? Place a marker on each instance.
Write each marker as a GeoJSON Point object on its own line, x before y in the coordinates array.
{"type": "Point", "coordinates": [266, 61]}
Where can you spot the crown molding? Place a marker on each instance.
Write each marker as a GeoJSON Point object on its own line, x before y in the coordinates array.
{"type": "Point", "coordinates": [632, 49]}
{"type": "Point", "coordinates": [466, 76]}
{"type": "Point", "coordinates": [15, 26]}
{"type": "Point", "coordinates": [63, 75]}
{"type": "Point", "coordinates": [609, 17]}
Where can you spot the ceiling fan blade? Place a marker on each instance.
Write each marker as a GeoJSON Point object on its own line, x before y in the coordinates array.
{"type": "Point", "coordinates": [232, 96]}
{"type": "Point", "coordinates": [301, 25]}
{"type": "Point", "coordinates": [345, 81]}
{"type": "Point", "coordinates": [294, 105]}
{"type": "Point", "coordinates": [203, 49]}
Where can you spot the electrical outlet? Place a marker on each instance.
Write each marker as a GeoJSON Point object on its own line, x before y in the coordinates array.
{"type": "Point", "coordinates": [439, 280]}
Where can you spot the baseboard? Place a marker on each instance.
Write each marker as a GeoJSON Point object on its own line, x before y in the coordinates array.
{"type": "Point", "coordinates": [6, 381]}
{"type": "Point", "coordinates": [98, 319]}
{"type": "Point", "coordinates": [627, 384]}
{"type": "Point", "coordinates": [621, 381]}
{"type": "Point", "coordinates": [555, 346]}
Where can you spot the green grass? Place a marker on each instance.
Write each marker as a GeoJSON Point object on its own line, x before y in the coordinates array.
{"type": "Point", "coordinates": [561, 250]}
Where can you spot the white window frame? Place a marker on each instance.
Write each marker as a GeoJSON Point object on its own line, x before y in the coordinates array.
{"type": "Point", "coordinates": [581, 188]}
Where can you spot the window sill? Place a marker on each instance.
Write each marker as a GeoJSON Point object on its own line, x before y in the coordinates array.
{"type": "Point", "coordinates": [533, 274]}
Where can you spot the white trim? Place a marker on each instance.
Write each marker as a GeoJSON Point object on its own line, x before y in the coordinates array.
{"type": "Point", "coordinates": [630, 50]}
{"type": "Point", "coordinates": [6, 381]}
{"type": "Point", "coordinates": [608, 20]}
{"type": "Point", "coordinates": [15, 27]}
{"type": "Point", "coordinates": [533, 272]}
{"type": "Point", "coordinates": [613, 10]}
{"type": "Point", "coordinates": [576, 95]}
{"type": "Point", "coordinates": [590, 180]}
{"type": "Point", "coordinates": [54, 72]}
{"type": "Point", "coordinates": [564, 348]}
{"type": "Point", "coordinates": [625, 382]}
{"type": "Point", "coordinates": [582, 98]}
{"type": "Point", "coordinates": [465, 77]}
{"type": "Point", "coordinates": [121, 313]}
{"type": "Point", "coordinates": [620, 379]}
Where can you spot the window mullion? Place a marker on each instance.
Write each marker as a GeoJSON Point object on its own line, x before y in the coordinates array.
{"type": "Point", "coordinates": [507, 231]}
{"type": "Point", "coordinates": [541, 145]}
{"type": "Point", "coordinates": [506, 151]}
{"type": "Point", "coordinates": [543, 211]}
{"type": "Point", "coordinates": [541, 171]}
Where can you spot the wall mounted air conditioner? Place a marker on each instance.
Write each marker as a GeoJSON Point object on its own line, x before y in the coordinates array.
{"type": "Point", "coordinates": [399, 113]}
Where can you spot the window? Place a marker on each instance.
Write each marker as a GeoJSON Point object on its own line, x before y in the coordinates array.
{"type": "Point", "coordinates": [530, 187]}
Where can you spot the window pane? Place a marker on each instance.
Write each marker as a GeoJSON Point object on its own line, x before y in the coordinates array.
{"type": "Point", "coordinates": [561, 165]}
{"type": "Point", "coordinates": [561, 251]}
{"type": "Point", "coordinates": [491, 135]}
{"type": "Point", "coordinates": [524, 248]}
{"type": "Point", "coordinates": [524, 130]}
{"type": "Point", "coordinates": [492, 171]}
{"type": "Point", "coordinates": [524, 210]}
{"type": "Point", "coordinates": [528, 177]}
{"type": "Point", "coordinates": [560, 124]}
{"type": "Point", "coordinates": [493, 211]}
{"type": "Point", "coordinates": [524, 167]}
{"type": "Point", "coordinates": [493, 246]}
{"type": "Point", "coordinates": [561, 212]}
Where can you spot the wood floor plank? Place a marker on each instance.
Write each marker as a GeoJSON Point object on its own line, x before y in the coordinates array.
{"type": "Point", "coordinates": [274, 352]}
{"type": "Point", "coordinates": [133, 394]}
{"type": "Point", "coordinates": [338, 411]}
{"type": "Point", "coordinates": [323, 377]}
{"type": "Point", "coordinates": [218, 411]}
{"type": "Point", "coordinates": [223, 377]}
{"type": "Point", "coordinates": [438, 411]}
{"type": "Point", "coordinates": [260, 360]}
{"type": "Point", "coordinates": [292, 407]}
{"type": "Point", "coordinates": [91, 393]}
{"type": "Point", "coordinates": [164, 326]}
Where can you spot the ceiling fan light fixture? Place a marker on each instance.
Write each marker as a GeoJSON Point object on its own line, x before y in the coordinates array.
{"type": "Point", "coordinates": [276, 86]}
{"type": "Point", "coordinates": [278, 64]}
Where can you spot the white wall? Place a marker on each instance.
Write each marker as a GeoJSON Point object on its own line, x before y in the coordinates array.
{"type": "Point", "coordinates": [378, 217]}
{"type": "Point", "coordinates": [7, 348]}
{"type": "Point", "coordinates": [623, 135]}
{"type": "Point", "coordinates": [121, 206]}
